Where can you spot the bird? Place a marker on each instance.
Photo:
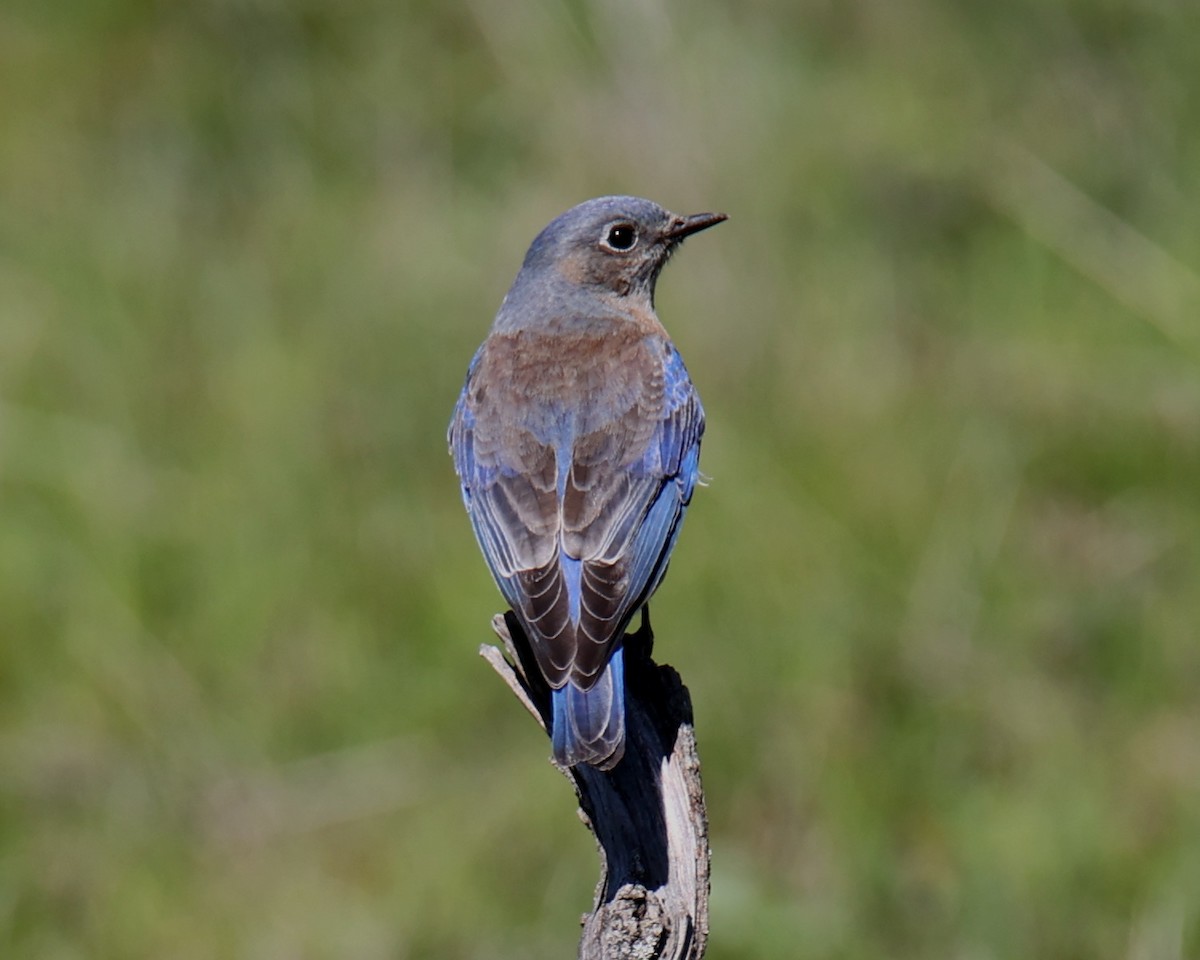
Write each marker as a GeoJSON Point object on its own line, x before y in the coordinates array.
{"type": "Point", "coordinates": [576, 440]}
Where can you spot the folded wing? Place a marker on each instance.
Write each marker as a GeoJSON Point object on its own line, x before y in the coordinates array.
{"type": "Point", "coordinates": [577, 515]}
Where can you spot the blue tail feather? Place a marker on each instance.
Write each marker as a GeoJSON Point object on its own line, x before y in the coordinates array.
{"type": "Point", "coordinates": [588, 726]}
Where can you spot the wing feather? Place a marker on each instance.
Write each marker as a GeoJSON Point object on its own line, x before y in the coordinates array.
{"type": "Point", "coordinates": [587, 468]}
{"type": "Point", "coordinates": [635, 516]}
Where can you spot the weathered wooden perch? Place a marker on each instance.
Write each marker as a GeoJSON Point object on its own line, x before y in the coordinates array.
{"type": "Point", "coordinates": [647, 814]}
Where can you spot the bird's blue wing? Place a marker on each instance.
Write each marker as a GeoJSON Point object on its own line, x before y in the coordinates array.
{"type": "Point", "coordinates": [577, 527]}
{"type": "Point", "coordinates": [509, 486]}
{"type": "Point", "coordinates": [674, 461]}
{"type": "Point", "coordinates": [634, 514]}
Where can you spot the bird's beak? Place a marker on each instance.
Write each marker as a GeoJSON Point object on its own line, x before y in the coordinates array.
{"type": "Point", "coordinates": [681, 227]}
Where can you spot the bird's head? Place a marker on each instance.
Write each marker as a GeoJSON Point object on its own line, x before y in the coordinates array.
{"type": "Point", "coordinates": [612, 245]}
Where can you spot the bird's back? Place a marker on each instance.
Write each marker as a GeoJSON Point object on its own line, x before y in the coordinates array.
{"type": "Point", "coordinates": [565, 427]}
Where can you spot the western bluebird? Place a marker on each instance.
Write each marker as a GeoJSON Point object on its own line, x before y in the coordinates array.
{"type": "Point", "coordinates": [577, 441]}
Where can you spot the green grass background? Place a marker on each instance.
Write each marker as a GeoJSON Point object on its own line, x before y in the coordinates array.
{"type": "Point", "coordinates": [937, 609]}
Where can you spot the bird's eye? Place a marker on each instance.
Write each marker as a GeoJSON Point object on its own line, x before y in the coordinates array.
{"type": "Point", "coordinates": [620, 236]}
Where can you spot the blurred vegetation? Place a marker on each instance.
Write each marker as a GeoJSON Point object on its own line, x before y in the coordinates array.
{"type": "Point", "coordinates": [937, 608]}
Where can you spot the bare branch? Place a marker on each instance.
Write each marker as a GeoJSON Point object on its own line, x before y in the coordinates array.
{"type": "Point", "coordinates": [647, 814]}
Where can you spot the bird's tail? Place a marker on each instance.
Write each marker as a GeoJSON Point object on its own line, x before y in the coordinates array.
{"type": "Point", "coordinates": [588, 726]}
